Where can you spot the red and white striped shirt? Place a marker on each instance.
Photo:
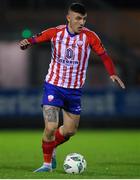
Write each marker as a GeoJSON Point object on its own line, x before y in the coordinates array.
{"type": "Point", "coordinates": [70, 54]}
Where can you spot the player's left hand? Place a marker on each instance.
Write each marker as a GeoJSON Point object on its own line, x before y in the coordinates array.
{"type": "Point", "coordinates": [115, 78]}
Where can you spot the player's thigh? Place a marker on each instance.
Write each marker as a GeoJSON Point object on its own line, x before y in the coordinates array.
{"type": "Point", "coordinates": [70, 121]}
{"type": "Point", "coordinates": [51, 116]}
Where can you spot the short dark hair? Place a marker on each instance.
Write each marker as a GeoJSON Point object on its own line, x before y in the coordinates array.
{"type": "Point", "coordinates": [77, 7]}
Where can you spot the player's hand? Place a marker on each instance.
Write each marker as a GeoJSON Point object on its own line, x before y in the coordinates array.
{"type": "Point", "coordinates": [115, 78]}
{"type": "Point", "coordinates": [24, 44]}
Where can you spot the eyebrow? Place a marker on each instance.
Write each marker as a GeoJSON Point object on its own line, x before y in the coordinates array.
{"type": "Point", "coordinates": [82, 16]}
{"type": "Point", "coordinates": [85, 16]}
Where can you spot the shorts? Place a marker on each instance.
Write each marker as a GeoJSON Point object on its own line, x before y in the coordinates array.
{"type": "Point", "coordinates": [65, 98]}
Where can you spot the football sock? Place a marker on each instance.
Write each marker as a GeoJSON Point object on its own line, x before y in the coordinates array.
{"type": "Point", "coordinates": [48, 148]}
{"type": "Point", "coordinates": [59, 138]}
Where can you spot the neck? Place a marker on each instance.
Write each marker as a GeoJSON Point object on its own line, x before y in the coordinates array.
{"type": "Point", "coordinates": [70, 29]}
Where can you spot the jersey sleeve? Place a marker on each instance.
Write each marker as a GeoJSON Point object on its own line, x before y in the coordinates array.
{"type": "Point", "coordinates": [99, 49]}
{"type": "Point", "coordinates": [43, 36]}
{"type": "Point", "coordinates": [96, 43]}
{"type": "Point", "coordinates": [108, 63]}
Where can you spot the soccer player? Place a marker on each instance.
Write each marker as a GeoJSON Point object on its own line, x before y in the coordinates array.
{"type": "Point", "coordinates": [71, 45]}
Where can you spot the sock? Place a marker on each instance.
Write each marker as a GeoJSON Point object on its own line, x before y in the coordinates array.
{"type": "Point", "coordinates": [48, 148]}
{"type": "Point", "coordinates": [59, 138]}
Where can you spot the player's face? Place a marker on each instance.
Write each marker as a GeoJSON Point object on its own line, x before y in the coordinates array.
{"type": "Point", "coordinates": [76, 21]}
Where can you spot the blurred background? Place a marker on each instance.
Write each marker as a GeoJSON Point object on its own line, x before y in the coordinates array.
{"type": "Point", "coordinates": [22, 73]}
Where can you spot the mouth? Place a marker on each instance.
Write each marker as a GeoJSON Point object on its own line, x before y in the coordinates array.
{"type": "Point", "coordinates": [80, 28]}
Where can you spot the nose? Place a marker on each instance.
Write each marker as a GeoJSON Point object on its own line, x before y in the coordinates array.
{"type": "Point", "coordinates": [82, 22]}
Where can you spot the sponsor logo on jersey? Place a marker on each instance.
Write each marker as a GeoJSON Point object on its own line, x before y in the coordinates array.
{"type": "Point", "coordinates": [69, 53]}
{"type": "Point", "coordinates": [68, 59]}
{"type": "Point", "coordinates": [67, 62]}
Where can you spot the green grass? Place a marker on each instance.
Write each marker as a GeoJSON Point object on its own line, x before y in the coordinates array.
{"type": "Point", "coordinates": [109, 154]}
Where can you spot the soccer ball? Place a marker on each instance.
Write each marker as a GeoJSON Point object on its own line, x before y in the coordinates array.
{"type": "Point", "coordinates": [74, 163]}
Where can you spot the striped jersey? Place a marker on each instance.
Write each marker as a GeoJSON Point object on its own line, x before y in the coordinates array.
{"type": "Point", "coordinates": [70, 54]}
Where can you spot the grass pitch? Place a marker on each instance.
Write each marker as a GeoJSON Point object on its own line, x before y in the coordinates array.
{"type": "Point", "coordinates": [109, 154]}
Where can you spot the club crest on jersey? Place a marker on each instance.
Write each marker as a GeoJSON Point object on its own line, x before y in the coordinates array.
{"type": "Point", "coordinates": [50, 98]}
{"type": "Point", "coordinates": [80, 43]}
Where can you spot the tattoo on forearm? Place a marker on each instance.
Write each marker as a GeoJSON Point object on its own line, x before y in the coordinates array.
{"type": "Point", "coordinates": [51, 114]}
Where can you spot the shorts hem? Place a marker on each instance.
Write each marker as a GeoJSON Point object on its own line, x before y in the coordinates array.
{"type": "Point", "coordinates": [72, 112]}
{"type": "Point", "coordinates": [55, 105]}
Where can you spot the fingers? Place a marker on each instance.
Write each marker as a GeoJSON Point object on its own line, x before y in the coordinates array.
{"type": "Point", "coordinates": [24, 44]}
{"type": "Point", "coordinates": [120, 83]}
{"type": "Point", "coordinates": [118, 80]}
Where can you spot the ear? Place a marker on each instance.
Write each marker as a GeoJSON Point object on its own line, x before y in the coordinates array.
{"type": "Point", "coordinates": [68, 17]}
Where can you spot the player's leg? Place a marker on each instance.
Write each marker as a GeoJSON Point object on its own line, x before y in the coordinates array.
{"type": "Point", "coordinates": [70, 125]}
{"type": "Point", "coordinates": [71, 116]}
{"type": "Point", "coordinates": [69, 128]}
{"type": "Point", "coordinates": [52, 99]}
{"type": "Point", "coordinates": [51, 119]}
{"type": "Point", "coordinates": [63, 133]}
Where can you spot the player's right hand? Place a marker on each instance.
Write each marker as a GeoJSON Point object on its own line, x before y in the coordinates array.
{"type": "Point", "coordinates": [24, 44]}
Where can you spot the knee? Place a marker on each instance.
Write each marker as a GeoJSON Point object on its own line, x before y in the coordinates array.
{"type": "Point", "coordinates": [69, 133]}
{"type": "Point", "coordinates": [50, 130]}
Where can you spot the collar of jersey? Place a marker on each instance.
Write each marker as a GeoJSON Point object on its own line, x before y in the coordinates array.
{"type": "Point", "coordinates": [71, 34]}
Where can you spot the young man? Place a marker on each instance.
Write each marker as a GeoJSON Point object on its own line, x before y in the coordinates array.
{"type": "Point", "coordinates": [71, 45]}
